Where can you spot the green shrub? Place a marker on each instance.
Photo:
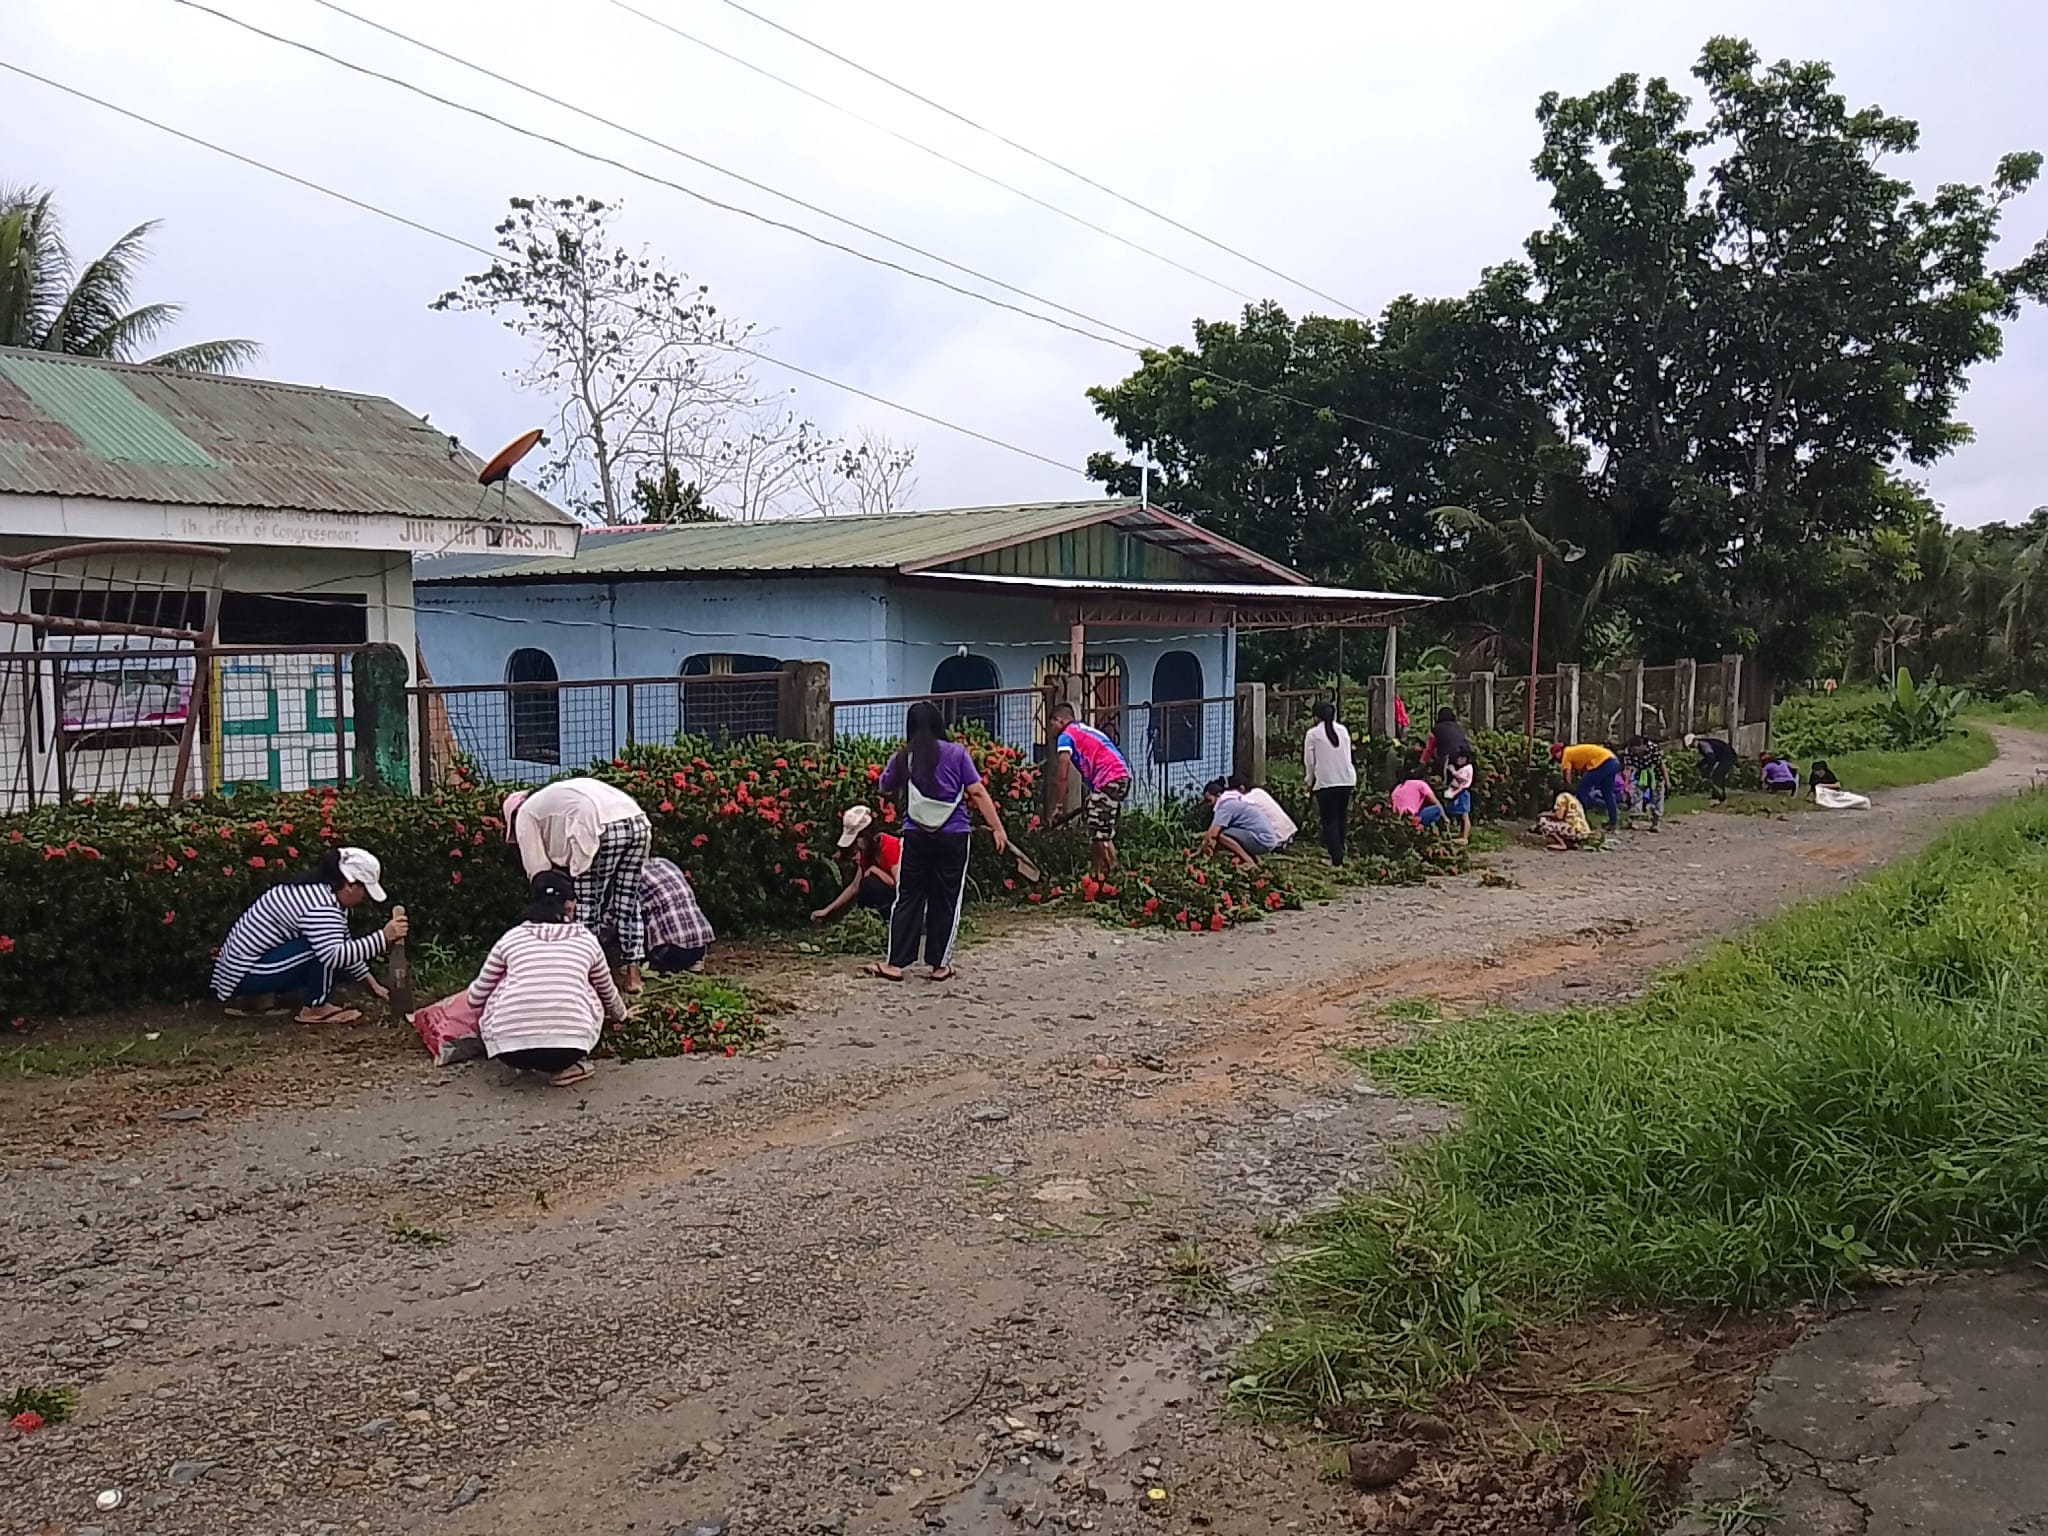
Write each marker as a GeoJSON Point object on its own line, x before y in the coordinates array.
{"type": "Point", "coordinates": [1810, 725]}
{"type": "Point", "coordinates": [1853, 1088]}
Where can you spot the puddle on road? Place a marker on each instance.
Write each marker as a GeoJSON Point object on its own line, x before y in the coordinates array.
{"type": "Point", "coordinates": [1098, 1447]}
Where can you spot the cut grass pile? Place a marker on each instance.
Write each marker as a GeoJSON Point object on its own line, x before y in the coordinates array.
{"type": "Point", "coordinates": [1854, 1087]}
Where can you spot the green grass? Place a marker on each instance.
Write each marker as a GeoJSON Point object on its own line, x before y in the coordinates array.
{"type": "Point", "coordinates": [1622, 1498]}
{"type": "Point", "coordinates": [1854, 1087]}
{"type": "Point", "coordinates": [213, 1049]}
{"type": "Point", "coordinates": [1870, 771]}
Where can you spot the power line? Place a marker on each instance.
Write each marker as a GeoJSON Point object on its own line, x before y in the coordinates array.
{"type": "Point", "coordinates": [1043, 159]}
{"type": "Point", "coordinates": [917, 144]}
{"type": "Point", "coordinates": [468, 245]}
{"type": "Point", "coordinates": [1138, 337]}
{"type": "Point", "coordinates": [688, 191]}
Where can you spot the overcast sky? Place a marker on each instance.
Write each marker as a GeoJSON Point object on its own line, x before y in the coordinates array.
{"type": "Point", "coordinates": [1368, 150]}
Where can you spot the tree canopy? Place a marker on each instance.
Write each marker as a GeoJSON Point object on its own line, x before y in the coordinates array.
{"type": "Point", "coordinates": [1708, 371]}
{"type": "Point", "coordinates": [50, 303]}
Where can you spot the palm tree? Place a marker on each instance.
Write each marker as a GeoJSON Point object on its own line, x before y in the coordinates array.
{"type": "Point", "coordinates": [50, 304]}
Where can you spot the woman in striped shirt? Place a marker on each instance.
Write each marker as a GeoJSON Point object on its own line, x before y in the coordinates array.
{"type": "Point", "coordinates": [546, 989]}
{"type": "Point", "coordinates": [295, 938]}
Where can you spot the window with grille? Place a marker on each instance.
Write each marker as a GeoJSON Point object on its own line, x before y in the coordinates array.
{"type": "Point", "coordinates": [535, 713]}
{"type": "Point", "coordinates": [1176, 726]}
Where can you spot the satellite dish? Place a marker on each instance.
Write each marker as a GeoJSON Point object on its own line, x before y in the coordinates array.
{"type": "Point", "coordinates": [500, 468]}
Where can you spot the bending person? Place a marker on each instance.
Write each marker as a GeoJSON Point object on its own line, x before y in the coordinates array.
{"type": "Point", "coordinates": [599, 834]}
{"type": "Point", "coordinates": [876, 855]}
{"type": "Point", "coordinates": [294, 938]}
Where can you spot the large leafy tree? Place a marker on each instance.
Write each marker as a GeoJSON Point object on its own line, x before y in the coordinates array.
{"type": "Point", "coordinates": [1738, 324]}
{"type": "Point", "coordinates": [50, 303]}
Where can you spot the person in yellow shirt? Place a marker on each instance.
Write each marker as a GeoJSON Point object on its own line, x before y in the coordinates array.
{"type": "Point", "coordinates": [1598, 774]}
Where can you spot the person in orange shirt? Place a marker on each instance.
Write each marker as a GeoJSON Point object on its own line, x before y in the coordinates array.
{"type": "Point", "coordinates": [1598, 774]}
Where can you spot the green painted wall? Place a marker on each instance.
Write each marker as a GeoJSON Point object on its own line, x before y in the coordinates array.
{"type": "Point", "coordinates": [1100, 553]}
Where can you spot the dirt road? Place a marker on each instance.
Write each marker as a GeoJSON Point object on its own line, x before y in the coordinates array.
{"type": "Point", "coordinates": [915, 1273]}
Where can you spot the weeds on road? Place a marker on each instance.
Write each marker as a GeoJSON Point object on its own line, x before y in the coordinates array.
{"type": "Point", "coordinates": [1854, 1087]}
{"type": "Point", "coordinates": [405, 1230]}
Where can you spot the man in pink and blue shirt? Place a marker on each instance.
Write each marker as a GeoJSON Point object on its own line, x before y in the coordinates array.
{"type": "Point", "coordinates": [1106, 776]}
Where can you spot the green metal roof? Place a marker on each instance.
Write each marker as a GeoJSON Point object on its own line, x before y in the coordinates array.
{"type": "Point", "coordinates": [81, 427]}
{"type": "Point", "coordinates": [895, 541]}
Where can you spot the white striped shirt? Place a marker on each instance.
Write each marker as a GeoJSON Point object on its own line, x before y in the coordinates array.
{"type": "Point", "coordinates": [545, 986]}
{"type": "Point", "coordinates": [291, 911]}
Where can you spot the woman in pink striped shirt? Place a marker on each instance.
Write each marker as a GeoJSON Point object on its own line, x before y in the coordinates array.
{"type": "Point", "coordinates": [546, 988]}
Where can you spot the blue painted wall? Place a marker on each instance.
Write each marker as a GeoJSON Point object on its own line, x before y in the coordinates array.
{"type": "Point", "coordinates": [880, 640]}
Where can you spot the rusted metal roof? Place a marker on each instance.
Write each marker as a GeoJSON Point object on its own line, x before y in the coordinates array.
{"type": "Point", "coordinates": [894, 541]}
{"type": "Point", "coordinates": [81, 427]}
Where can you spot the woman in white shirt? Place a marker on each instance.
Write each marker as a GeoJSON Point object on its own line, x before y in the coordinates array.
{"type": "Point", "coordinates": [1329, 772]}
{"type": "Point", "coordinates": [599, 834]}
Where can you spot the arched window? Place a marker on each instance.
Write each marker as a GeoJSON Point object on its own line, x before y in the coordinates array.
{"type": "Point", "coordinates": [1176, 727]}
{"type": "Point", "coordinates": [969, 674]}
{"type": "Point", "coordinates": [535, 713]}
{"type": "Point", "coordinates": [728, 711]}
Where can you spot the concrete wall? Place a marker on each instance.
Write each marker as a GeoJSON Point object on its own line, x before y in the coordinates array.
{"type": "Point", "coordinates": [882, 641]}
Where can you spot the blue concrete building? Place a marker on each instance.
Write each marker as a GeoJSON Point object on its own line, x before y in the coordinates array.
{"type": "Point", "coordinates": [969, 602]}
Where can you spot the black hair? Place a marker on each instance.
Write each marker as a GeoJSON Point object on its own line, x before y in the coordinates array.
{"type": "Point", "coordinates": [1411, 767]}
{"type": "Point", "coordinates": [1214, 788]}
{"type": "Point", "coordinates": [1065, 707]}
{"type": "Point", "coordinates": [1239, 783]}
{"type": "Point", "coordinates": [1463, 754]}
{"type": "Point", "coordinates": [1820, 773]}
{"type": "Point", "coordinates": [1446, 715]}
{"type": "Point", "coordinates": [923, 729]}
{"type": "Point", "coordinates": [546, 900]}
{"type": "Point", "coordinates": [325, 871]}
{"type": "Point", "coordinates": [1327, 713]}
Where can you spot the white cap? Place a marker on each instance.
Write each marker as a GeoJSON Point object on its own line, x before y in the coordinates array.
{"type": "Point", "coordinates": [360, 867]}
{"type": "Point", "coordinates": [856, 821]}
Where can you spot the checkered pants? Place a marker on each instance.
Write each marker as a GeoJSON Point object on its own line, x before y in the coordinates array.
{"type": "Point", "coordinates": [608, 893]}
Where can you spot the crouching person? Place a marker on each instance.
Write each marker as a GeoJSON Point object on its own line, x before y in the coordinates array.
{"type": "Point", "coordinates": [546, 988]}
{"type": "Point", "coordinates": [678, 933]}
{"type": "Point", "coordinates": [294, 938]}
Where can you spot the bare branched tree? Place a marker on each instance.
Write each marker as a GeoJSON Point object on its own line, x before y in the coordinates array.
{"type": "Point", "coordinates": [659, 414]}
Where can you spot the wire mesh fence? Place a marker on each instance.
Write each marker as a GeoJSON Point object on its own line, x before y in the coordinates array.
{"type": "Point", "coordinates": [530, 732]}
{"type": "Point", "coordinates": [1176, 746]}
{"type": "Point", "coordinates": [154, 719]}
{"type": "Point", "coordinates": [1015, 716]}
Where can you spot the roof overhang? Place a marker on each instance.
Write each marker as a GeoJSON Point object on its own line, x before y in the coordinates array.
{"type": "Point", "coordinates": [94, 517]}
{"type": "Point", "coordinates": [1152, 525]}
{"type": "Point", "coordinates": [1160, 604]}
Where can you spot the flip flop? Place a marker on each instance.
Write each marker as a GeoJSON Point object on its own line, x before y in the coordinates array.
{"type": "Point", "coordinates": [568, 1077]}
{"type": "Point", "coordinates": [943, 973]}
{"type": "Point", "coordinates": [875, 970]}
{"type": "Point", "coordinates": [330, 1016]}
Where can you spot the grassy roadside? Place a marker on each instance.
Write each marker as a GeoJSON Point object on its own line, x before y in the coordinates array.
{"type": "Point", "coordinates": [1853, 1088]}
{"type": "Point", "coordinates": [1875, 770]}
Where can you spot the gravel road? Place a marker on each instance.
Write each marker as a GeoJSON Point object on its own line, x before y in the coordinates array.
{"type": "Point", "coordinates": [915, 1272]}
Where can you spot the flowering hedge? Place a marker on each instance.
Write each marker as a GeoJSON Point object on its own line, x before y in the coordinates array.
{"type": "Point", "coordinates": [103, 906]}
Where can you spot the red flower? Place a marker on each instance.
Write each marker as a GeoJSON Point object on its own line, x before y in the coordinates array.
{"type": "Point", "coordinates": [28, 1423]}
{"type": "Point", "coordinates": [1215, 922]}
{"type": "Point", "coordinates": [256, 861]}
{"type": "Point", "coordinates": [689, 1045]}
{"type": "Point", "coordinates": [6, 945]}
{"type": "Point", "coordinates": [1181, 916]}
{"type": "Point", "coordinates": [1273, 901]}
{"type": "Point", "coordinates": [291, 853]}
{"type": "Point", "coordinates": [90, 853]}
{"type": "Point", "coordinates": [802, 885]}
{"type": "Point", "coordinates": [699, 840]}
{"type": "Point", "coordinates": [679, 778]}
{"type": "Point", "coordinates": [1151, 905]}
{"type": "Point", "coordinates": [454, 853]}
{"type": "Point", "coordinates": [732, 1050]}
{"type": "Point", "coordinates": [1009, 885]}
{"type": "Point", "coordinates": [667, 806]}
{"type": "Point", "coordinates": [170, 918]}
{"type": "Point", "coordinates": [269, 840]}
{"type": "Point", "coordinates": [455, 878]}
{"type": "Point", "coordinates": [284, 828]}
{"type": "Point", "coordinates": [874, 772]}
{"type": "Point", "coordinates": [782, 762]}
{"type": "Point", "coordinates": [1034, 898]}
{"type": "Point", "coordinates": [227, 869]}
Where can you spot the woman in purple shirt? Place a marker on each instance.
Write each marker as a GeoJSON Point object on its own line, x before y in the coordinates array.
{"type": "Point", "coordinates": [938, 781]}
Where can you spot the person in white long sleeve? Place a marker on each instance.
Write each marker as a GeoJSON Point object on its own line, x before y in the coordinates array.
{"type": "Point", "coordinates": [1328, 771]}
{"type": "Point", "coordinates": [599, 835]}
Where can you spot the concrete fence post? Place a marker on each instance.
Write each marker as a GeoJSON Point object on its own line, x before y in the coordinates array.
{"type": "Point", "coordinates": [803, 706]}
{"type": "Point", "coordinates": [1248, 739]}
{"type": "Point", "coordinates": [1631, 699]}
{"type": "Point", "coordinates": [1684, 687]}
{"type": "Point", "coordinates": [1482, 701]}
{"type": "Point", "coordinates": [383, 745]}
{"type": "Point", "coordinates": [1567, 728]}
{"type": "Point", "coordinates": [1731, 695]}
